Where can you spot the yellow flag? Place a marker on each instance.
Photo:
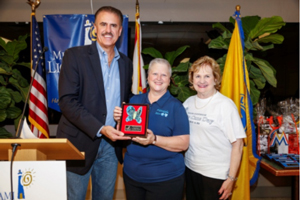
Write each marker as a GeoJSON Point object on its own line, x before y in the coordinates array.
{"type": "Point", "coordinates": [235, 85]}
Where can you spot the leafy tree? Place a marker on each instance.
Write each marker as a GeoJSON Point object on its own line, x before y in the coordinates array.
{"type": "Point", "coordinates": [260, 35]}
{"type": "Point", "coordinates": [179, 86]}
{"type": "Point", "coordinates": [13, 86]}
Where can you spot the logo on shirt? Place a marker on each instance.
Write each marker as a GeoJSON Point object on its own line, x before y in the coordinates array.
{"type": "Point", "coordinates": [197, 118]}
{"type": "Point", "coordinates": [163, 113]}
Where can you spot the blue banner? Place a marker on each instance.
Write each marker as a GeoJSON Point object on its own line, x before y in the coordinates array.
{"type": "Point", "coordinates": [62, 32]}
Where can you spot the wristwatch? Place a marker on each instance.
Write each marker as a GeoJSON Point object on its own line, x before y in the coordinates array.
{"type": "Point", "coordinates": [154, 141]}
{"type": "Point", "coordinates": [231, 178]}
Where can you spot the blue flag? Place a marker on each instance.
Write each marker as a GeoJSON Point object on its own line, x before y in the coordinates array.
{"type": "Point", "coordinates": [64, 31]}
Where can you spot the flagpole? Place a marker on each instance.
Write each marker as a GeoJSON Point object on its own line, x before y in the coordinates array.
{"type": "Point", "coordinates": [139, 76]}
{"type": "Point", "coordinates": [235, 85]}
{"type": "Point", "coordinates": [34, 4]}
{"type": "Point", "coordinates": [238, 9]}
{"type": "Point", "coordinates": [137, 13]}
{"type": "Point", "coordinates": [137, 6]}
{"type": "Point", "coordinates": [38, 109]}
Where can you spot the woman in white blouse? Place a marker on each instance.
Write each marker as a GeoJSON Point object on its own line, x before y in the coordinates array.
{"type": "Point", "coordinates": [216, 135]}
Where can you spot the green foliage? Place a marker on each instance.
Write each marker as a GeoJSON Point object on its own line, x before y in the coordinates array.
{"type": "Point", "coordinates": [13, 86]}
{"type": "Point", "coordinates": [260, 35]}
{"type": "Point", "coordinates": [4, 133]}
{"type": "Point", "coordinates": [179, 86]}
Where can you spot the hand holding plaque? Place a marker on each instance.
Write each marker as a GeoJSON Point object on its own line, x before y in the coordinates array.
{"type": "Point", "coordinates": [134, 119]}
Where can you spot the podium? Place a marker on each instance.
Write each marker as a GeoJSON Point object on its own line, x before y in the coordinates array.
{"type": "Point", "coordinates": [39, 167]}
{"type": "Point", "coordinates": [40, 149]}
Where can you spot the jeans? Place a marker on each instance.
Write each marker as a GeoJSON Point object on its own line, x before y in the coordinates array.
{"type": "Point", "coordinates": [103, 173]}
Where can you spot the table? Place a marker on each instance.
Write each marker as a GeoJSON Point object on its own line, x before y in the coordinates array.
{"type": "Point", "coordinates": [277, 170]}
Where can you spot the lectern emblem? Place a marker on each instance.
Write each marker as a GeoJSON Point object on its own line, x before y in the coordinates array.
{"type": "Point", "coordinates": [24, 180]}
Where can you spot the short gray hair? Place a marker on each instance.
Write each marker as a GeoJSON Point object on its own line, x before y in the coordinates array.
{"type": "Point", "coordinates": [160, 61]}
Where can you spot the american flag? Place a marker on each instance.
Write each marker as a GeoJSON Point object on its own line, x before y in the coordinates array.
{"type": "Point", "coordinates": [38, 109]}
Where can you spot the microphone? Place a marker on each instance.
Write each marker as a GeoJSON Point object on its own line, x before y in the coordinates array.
{"type": "Point", "coordinates": [20, 125]}
{"type": "Point", "coordinates": [44, 50]}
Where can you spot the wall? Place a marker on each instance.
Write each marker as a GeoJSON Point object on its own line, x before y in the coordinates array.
{"type": "Point", "coordinates": [156, 10]}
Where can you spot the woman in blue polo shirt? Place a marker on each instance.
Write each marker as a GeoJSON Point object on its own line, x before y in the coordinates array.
{"type": "Point", "coordinates": [154, 166]}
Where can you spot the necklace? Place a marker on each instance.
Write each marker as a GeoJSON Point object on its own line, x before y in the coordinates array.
{"type": "Point", "coordinates": [206, 103]}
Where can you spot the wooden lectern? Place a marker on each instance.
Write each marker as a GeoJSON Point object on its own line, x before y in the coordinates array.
{"type": "Point", "coordinates": [40, 170]}
{"type": "Point", "coordinates": [40, 149]}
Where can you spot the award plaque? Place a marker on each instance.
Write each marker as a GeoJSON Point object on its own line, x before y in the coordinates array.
{"type": "Point", "coordinates": [134, 119]}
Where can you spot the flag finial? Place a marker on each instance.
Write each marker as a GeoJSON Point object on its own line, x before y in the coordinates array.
{"type": "Point", "coordinates": [137, 6]}
{"type": "Point", "coordinates": [34, 4]}
{"type": "Point", "coordinates": [238, 8]}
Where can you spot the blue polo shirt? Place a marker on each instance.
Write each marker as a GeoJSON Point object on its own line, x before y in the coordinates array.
{"type": "Point", "coordinates": [148, 164]}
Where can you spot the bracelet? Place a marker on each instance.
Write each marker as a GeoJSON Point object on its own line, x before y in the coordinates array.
{"type": "Point", "coordinates": [154, 141]}
{"type": "Point", "coordinates": [231, 178]}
